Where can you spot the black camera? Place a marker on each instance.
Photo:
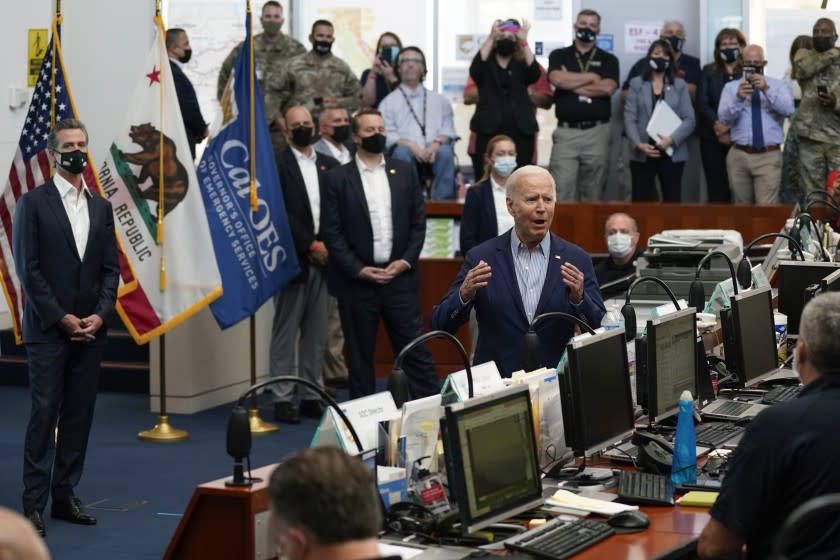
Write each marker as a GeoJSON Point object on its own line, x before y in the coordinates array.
{"type": "Point", "coordinates": [389, 54]}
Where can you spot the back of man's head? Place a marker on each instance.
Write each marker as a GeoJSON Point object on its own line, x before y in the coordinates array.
{"type": "Point", "coordinates": [819, 332]}
{"type": "Point", "coordinates": [327, 492]}
{"type": "Point", "coordinates": [18, 539]}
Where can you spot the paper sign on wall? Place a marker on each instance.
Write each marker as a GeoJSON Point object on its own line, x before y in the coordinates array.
{"type": "Point", "coordinates": [638, 35]}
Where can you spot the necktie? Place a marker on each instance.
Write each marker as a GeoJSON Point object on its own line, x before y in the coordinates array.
{"type": "Point", "coordinates": [757, 130]}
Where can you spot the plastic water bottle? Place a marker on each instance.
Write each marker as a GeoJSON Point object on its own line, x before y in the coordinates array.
{"type": "Point", "coordinates": [684, 466]}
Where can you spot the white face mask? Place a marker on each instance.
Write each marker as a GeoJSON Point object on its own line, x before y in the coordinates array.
{"type": "Point", "coordinates": [619, 244]}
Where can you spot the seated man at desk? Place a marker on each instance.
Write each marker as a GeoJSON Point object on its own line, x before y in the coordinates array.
{"type": "Point", "coordinates": [622, 236]}
{"type": "Point", "coordinates": [513, 278]}
{"type": "Point", "coordinates": [788, 455]}
{"type": "Point", "coordinates": [324, 505]}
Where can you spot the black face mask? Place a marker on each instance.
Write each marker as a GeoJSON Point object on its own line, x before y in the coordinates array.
{"type": "Point", "coordinates": [659, 64]}
{"type": "Point", "coordinates": [341, 133]}
{"type": "Point", "coordinates": [585, 34]}
{"type": "Point", "coordinates": [505, 47]}
{"type": "Point", "coordinates": [675, 42]}
{"type": "Point", "coordinates": [186, 56]}
{"type": "Point", "coordinates": [822, 44]}
{"type": "Point", "coordinates": [375, 143]}
{"type": "Point", "coordinates": [302, 136]}
{"type": "Point", "coordinates": [730, 55]}
{"type": "Point", "coordinates": [73, 162]}
{"type": "Point", "coordinates": [322, 47]}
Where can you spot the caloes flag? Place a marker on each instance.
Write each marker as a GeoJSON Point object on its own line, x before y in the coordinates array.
{"type": "Point", "coordinates": [171, 258]}
{"type": "Point", "coordinates": [254, 248]}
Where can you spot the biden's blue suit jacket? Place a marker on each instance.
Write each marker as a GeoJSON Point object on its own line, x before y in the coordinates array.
{"type": "Point", "coordinates": [502, 322]}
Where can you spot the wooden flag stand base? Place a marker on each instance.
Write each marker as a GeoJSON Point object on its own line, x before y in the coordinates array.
{"type": "Point", "coordinates": [258, 425]}
{"type": "Point", "coordinates": [163, 431]}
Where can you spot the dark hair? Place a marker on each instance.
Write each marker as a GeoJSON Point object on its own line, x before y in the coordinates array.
{"type": "Point", "coordinates": [727, 33]}
{"type": "Point", "coordinates": [588, 12]}
{"type": "Point", "coordinates": [829, 21]}
{"type": "Point", "coordinates": [491, 145]}
{"type": "Point", "coordinates": [64, 124]}
{"type": "Point", "coordinates": [670, 72]}
{"type": "Point", "coordinates": [411, 49]}
{"type": "Point", "coordinates": [388, 34]}
{"type": "Point", "coordinates": [801, 42]}
{"type": "Point", "coordinates": [172, 35]}
{"type": "Point", "coordinates": [321, 22]}
{"type": "Point", "coordinates": [354, 122]}
{"type": "Point", "coordinates": [273, 3]}
{"type": "Point", "coordinates": [329, 493]}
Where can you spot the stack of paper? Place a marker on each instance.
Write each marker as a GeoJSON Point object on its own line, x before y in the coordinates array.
{"type": "Point", "coordinates": [569, 500]}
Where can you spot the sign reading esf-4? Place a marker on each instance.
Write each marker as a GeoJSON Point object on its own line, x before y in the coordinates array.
{"type": "Point", "coordinates": [37, 46]}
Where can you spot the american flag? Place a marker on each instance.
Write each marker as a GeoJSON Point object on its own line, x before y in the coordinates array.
{"type": "Point", "coordinates": [31, 168]}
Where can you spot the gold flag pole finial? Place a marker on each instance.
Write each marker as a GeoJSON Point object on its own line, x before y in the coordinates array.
{"type": "Point", "coordinates": [252, 139]}
{"type": "Point", "coordinates": [157, 7]}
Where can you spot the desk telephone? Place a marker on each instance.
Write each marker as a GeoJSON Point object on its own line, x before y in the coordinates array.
{"type": "Point", "coordinates": [656, 454]}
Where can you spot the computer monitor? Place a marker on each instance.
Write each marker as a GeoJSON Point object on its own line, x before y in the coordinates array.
{"type": "Point", "coordinates": [596, 398]}
{"type": "Point", "coordinates": [831, 283]}
{"type": "Point", "coordinates": [794, 278]}
{"type": "Point", "coordinates": [754, 335]}
{"type": "Point", "coordinates": [491, 457]}
{"type": "Point", "coordinates": [671, 362]}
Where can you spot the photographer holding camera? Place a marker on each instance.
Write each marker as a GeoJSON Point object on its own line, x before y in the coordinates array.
{"type": "Point", "coordinates": [755, 107]}
{"type": "Point", "coordinates": [381, 78]}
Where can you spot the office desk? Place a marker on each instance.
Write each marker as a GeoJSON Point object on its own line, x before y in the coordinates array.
{"type": "Point", "coordinates": [221, 522]}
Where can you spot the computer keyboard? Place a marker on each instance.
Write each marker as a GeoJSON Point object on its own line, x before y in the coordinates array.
{"type": "Point", "coordinates": [715, 434]}
{"type": "Point", "coordinates": [645, 489]}
{"type": "Point", "coordinates": [731, 408]}
{"type": "Point", "coordinates": [781, 393]}
{"type": "Point", "coordinates": [559, 539]}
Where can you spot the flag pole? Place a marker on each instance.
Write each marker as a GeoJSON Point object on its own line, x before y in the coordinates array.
{"type": "Point", "coordinates": [257, 424]}
{"type": "Point", "coordinates": [163, 431]}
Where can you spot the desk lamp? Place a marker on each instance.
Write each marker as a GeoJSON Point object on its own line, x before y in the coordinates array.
{"type": "Point", "coordinates": [531, 342]}
{"type": "Point", "coordinates": [239, 428]}
{"type": "Point", "coordinates": [629, 313]}
{"type": "Point", "coordinates": [745, 266]}
{"type": "Point", "coordinates": [398, 381]}
{"type": "Point", "coordinates": [696, 293]}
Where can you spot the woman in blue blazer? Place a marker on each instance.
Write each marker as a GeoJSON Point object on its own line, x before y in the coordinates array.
{"type": "Point", "coordinates": [484, 217]}
{"type": "Point", "coordinates": [648, 159]}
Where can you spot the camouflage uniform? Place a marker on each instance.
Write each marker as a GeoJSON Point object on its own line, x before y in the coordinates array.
{"type": "Point", "coordinates": [818, 127]}
{"type": "Point", "coordinates": [270, 58]}
{"type": "Point", "coordinates": [311, 75]}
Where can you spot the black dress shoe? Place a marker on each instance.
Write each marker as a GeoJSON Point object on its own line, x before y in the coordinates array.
{"type": "Point", "coordinates": [71, 510]}
{"type": "Point", "coordinates": [312, 409]}
{"type": "Point", "coordinates": [286, 412]}
{"type": "Point", "coordinates": [37, 521]}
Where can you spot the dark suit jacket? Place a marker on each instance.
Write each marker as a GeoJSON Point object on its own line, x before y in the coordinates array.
{"type": "Point", "coordinates": [478, 219]}
{"type": "Point", "coordinates": [297, 203]}
{"type": "Point", "coordinates": [502, 322]}
{"type": "Point", "coordinates": [492, 98]}
{"type": "Point", "coordinates": [346, 228]}
{"type": "Point", "coordinates": [708, 98]}
{"type": "Point", "coordinates": [56, 281]}
{"type": "Point", "coordinates": [190, 110]}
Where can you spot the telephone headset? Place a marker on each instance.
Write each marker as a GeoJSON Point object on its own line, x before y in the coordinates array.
{"type": "Point", "coordinates": [412, 50]}
{"type": "Point", "coordinates": [408, 518]}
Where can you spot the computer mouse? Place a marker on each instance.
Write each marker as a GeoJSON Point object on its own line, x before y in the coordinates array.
{"type": "Point", "coordinates": [629, 520]}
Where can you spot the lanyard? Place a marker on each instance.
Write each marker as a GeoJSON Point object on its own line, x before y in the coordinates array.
{"type": "Point", "coordinates": [422, 125]}
{"type": "Point", "coordinates": [585, 67]}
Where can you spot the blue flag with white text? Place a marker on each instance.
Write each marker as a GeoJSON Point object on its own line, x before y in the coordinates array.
{"type": "Point", "coordinates": [254, 250]}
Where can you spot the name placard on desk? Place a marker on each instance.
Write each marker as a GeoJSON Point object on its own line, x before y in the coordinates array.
{"type": "Point", "coordinates": [486, 380]}
{"type": "Point", "coordinates": [364, 413]}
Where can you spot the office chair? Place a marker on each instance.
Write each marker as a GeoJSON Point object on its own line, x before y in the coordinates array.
{"type": "Point", "coordinates": [800, 518]}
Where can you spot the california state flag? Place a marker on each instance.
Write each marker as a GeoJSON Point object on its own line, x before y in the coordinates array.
{"type": "Point", "coordinates": [168, 244]}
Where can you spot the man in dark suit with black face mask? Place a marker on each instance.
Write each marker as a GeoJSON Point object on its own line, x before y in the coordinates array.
{"type": "Point", "coordinates": [374, 225]}
{"type": "Point", "coordinates": [66, 257]}
{"type": "Point", "coordinates": [179, 51]}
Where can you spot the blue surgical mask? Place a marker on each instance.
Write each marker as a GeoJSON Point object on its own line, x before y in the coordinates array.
{"type": "Point", "coordinates": [619, 244]}
{"type": "Point", "coordinates": [504, 165]}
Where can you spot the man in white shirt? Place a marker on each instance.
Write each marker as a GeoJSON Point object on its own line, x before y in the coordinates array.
{"type": "Point", "coordinates": [301, 307]}
{"type": "Point", "coordinates": [374, 225]}
{"type": "Point", "coordinates": [419, 123]}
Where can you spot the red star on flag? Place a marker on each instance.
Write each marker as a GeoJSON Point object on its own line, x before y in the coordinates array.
{"type": "Point", "coordinates": [154, 76]}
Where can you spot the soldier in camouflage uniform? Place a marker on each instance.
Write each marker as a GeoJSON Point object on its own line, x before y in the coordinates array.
{"type": "Point", "coordinates": [272, 51]}
{"type": "Point", "coordinates": [818, 118]}
{"type": "Point", "coordinates": [319, 78]}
